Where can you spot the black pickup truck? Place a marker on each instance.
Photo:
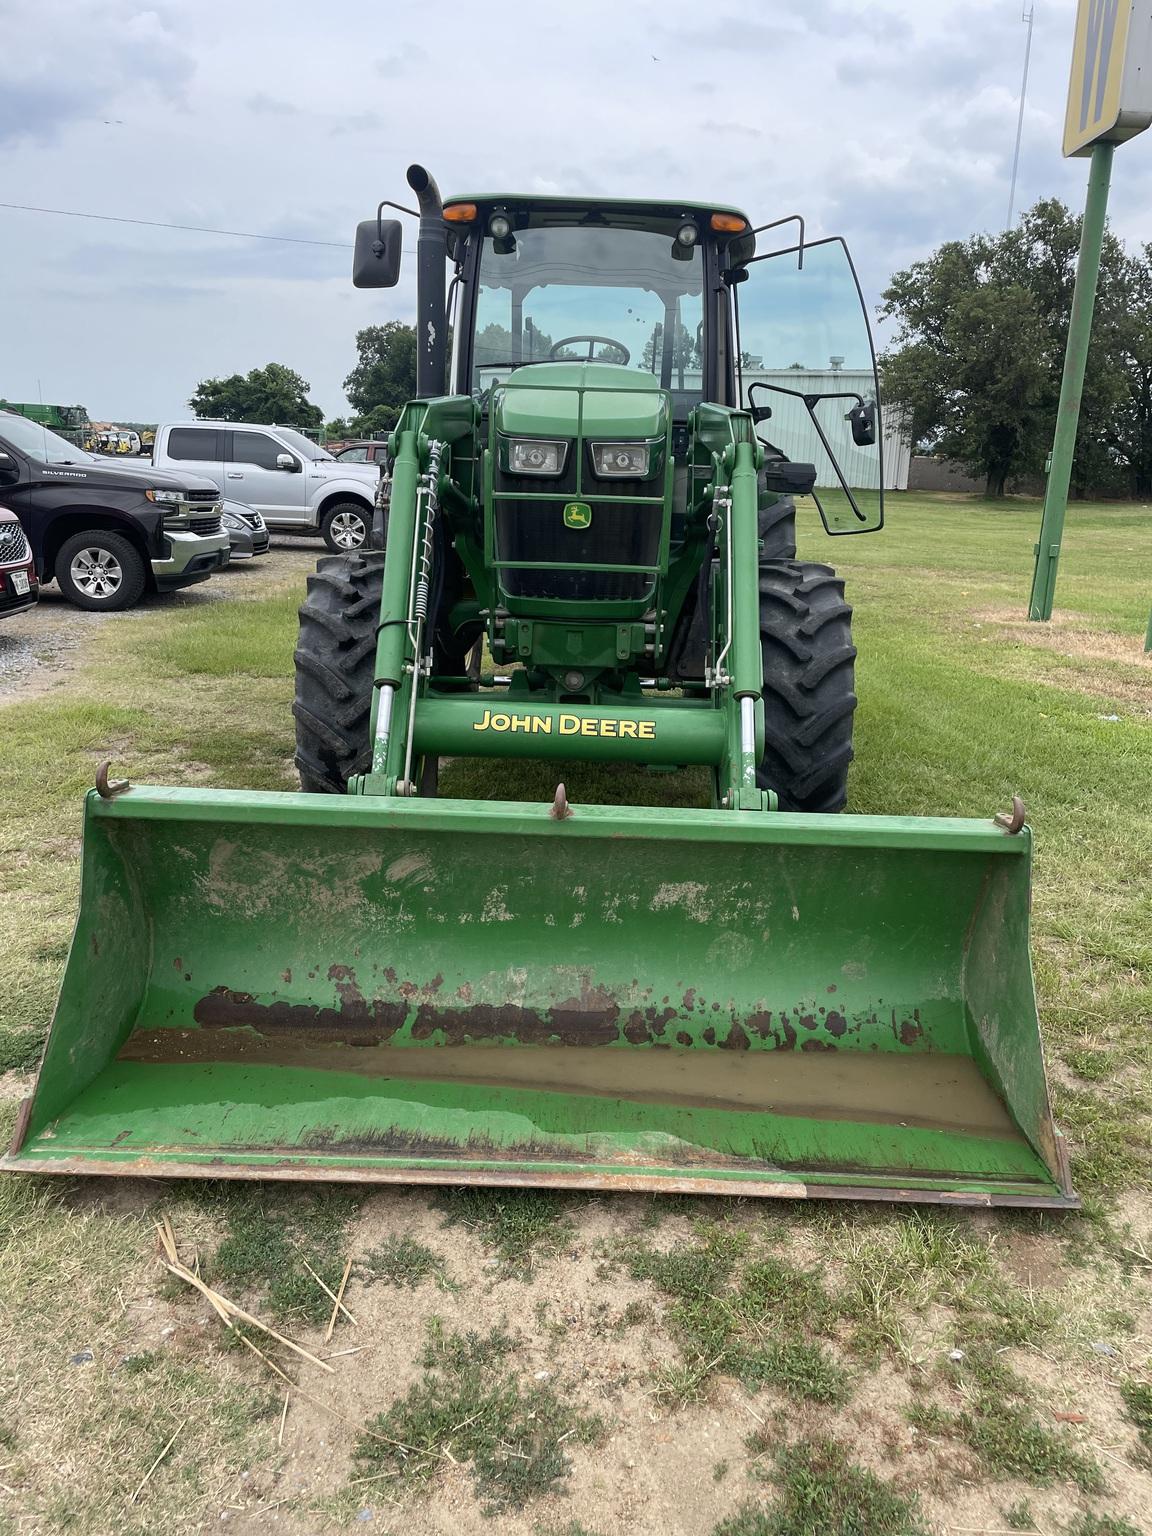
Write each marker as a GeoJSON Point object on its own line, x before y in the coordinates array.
{"type": "Point", "coordinates": [104, 530]}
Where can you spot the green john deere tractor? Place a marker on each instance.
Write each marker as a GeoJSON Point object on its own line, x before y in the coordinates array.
{"type": "Point", "coordinates": [590, 557]}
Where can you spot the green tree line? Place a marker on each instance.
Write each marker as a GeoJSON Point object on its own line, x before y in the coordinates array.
{"type": "Point", "coordinates": [981, 327]}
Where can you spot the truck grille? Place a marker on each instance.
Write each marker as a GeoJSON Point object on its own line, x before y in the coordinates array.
{"type": "Point", "coordinates": [204, 525]}
{"type": "Point", "coordinates": [14, 548]}
{"type": "Point", "coordinates": [209, 495]}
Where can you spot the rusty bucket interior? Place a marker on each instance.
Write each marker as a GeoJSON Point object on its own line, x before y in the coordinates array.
{"type": "Point", "coordinates": [305, 986]}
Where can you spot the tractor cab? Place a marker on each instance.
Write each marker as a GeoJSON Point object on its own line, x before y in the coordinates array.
{"type": "Point", "coordinates": [610, 350]}
{"type": "Point", "coordinates": [688, 297]}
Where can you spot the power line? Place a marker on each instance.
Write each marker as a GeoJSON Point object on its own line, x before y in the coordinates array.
{"type": "Point", "coordinates": [193, 229]}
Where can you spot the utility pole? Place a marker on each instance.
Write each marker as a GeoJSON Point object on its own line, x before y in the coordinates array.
{"type": "Point", "coordinates": [1109, 101]}
{"type": "Point", "coordinates": [1028, 17]}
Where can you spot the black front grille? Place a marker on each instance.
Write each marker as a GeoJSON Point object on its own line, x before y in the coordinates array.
{"type": "Point", "coordinates": [204, 525]}
{"type": "Point", "coordinates": [212, 495]}
{"type": "Point", "coordinates": [13, 545]}
{"type": "Point", "coordinates": [621, 533]}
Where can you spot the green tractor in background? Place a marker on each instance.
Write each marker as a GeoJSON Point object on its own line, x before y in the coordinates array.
{"type": "Point", "coordinates": [365, 980]}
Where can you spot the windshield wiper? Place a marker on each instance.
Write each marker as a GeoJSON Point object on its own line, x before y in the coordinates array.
{"type": "Point", "coordinates": [526, 362]}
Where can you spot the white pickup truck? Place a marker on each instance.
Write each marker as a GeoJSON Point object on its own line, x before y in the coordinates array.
{"type": "Point", "coordinates": [296, 485]}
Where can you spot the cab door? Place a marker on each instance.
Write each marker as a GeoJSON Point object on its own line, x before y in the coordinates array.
{"type": "Point", "coordinates": [806, 370]}
{"type": "Point", "coordinates": [262, 473]}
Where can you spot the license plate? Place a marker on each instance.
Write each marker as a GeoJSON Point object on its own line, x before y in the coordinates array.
{"type": "Point", "coordinates": [20, 583]}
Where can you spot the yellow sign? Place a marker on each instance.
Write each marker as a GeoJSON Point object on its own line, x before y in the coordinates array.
{"type": "Point", "coordinates": [566, 725]}
{"type": "Point", "coordinates": [1110, 95]}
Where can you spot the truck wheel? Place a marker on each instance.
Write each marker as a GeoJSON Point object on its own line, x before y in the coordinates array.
{"type": "Point", "coordinates": [335, 668]}
{"type": "Point", "coordinates": [809, 698]}
{"type": "Point", "coordinates": [345, 526]}
{"type": "Point", "coordinates": [777, 530]}
{"type": "Point", "coordinates": [100, 570]}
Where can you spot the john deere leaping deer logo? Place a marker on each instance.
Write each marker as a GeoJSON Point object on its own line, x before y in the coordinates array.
{"type": "Point", "coordinates": [577, 514]}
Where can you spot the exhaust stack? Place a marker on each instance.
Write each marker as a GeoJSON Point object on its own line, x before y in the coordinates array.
{"type": "Point", "coordinates": [431, 254]}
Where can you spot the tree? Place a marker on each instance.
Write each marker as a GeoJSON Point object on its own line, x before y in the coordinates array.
{"type": "Point", "coordinates": [384, 378]}
{"type": "Point", "coordinates": [494, 344]}
{"type": "Point", "coordinates": [1128, 433]}
{"type": "Point", "coordinates": [271, 394]}
{"type": "Point", "coordinates": [982, 326]}
{"type": "Point", "coordinates": [685, 352]}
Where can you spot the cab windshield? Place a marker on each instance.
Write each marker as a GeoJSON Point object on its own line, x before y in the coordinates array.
{"type": "Point", "coordinates": [582, 292]}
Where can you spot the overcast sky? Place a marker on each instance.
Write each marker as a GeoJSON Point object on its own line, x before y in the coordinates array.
{"type": "Point", "coordinates": [890, 122]}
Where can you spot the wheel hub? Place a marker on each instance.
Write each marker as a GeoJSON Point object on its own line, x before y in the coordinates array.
{"type": "Point", "coordinates": [348, 530]}
{"type": "Point", "coordinates": [97, 572]}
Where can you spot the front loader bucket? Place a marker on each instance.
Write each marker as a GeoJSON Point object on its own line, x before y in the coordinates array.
{"type": "Point", "coordinates": [302, 986]}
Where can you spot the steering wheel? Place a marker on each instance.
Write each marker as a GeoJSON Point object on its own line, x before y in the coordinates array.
{"type": "Point", "coordinates": [607, 341]}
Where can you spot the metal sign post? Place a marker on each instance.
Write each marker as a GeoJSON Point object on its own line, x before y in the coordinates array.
{"type": "Point", "coordinates": [1109, 101]}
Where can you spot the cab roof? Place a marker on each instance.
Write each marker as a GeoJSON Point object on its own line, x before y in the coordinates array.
{"type": "Point", "coordinates": [649, 209]}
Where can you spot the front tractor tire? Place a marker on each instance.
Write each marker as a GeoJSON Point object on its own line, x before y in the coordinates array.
{"type": "Point", "coordinates": [335, 668]}
{"type": "Point", "coordinates": [809, 685]}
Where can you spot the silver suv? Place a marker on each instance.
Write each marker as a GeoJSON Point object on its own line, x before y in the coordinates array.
{"type": "Point", "coordinates": [295, 485]}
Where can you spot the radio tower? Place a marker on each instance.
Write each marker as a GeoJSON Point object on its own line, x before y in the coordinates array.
{"type": "Point", "coordinates": [1028, 17]}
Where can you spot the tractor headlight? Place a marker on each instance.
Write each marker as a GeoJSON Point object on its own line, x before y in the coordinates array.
{"type": "Point", "coordinates": [532, 456]}
{"type": "Point", "coordinates": [623, 460]}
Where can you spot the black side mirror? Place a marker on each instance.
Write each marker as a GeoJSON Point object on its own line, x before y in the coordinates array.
{"type": "Point", "coordinates": [376, 260]}
{"type": "Point", "coordinates": [862, 419]}
{"type": "Point", "coordinates": [9, 469]}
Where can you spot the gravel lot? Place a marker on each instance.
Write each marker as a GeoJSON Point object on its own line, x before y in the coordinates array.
{"type": "Point", "coordinates": [44, 644]}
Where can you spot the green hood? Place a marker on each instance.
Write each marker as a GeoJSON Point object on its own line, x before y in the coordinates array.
{"type": "Point", "coordinates": [544, 401]}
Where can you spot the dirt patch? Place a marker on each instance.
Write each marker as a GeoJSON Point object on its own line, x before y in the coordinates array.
{"type": "Point", "coordinates": [15, 1086]}
{"type": "Point", "coordinates": [653, 1474]}
{"type": "Point", "coordinates": [1075, 635]}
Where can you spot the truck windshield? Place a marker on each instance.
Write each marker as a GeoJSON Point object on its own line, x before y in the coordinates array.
{"type": "Point", "coordinates": [40, 444]}
{"type": "Point", "coordinates": [578, 292]}
{"type": "Point", "coordinates": [303, 445]}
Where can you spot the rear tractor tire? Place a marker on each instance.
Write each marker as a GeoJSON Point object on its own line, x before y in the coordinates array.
{"type": "Point", "coordinates": [809, 685]}
{"type": "Point", "coordinates": [776, 528]}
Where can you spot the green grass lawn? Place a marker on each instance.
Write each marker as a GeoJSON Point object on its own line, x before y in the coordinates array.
{"type": "Point", "coordinates": [962, 704]}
